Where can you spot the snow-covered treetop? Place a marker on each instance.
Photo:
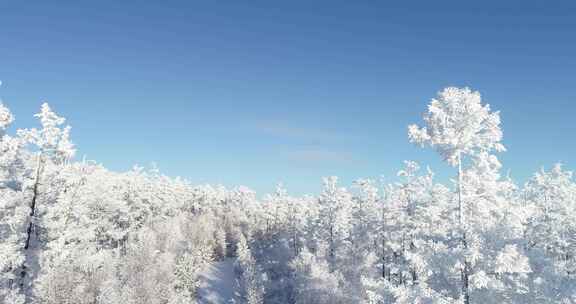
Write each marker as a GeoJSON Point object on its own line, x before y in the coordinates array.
{"type": "Point", "coordinates": [457, 123]}
{"type": "Point", "coordinates": [48, 118]}
{"type": "Point", "coordinates": [556, 183]}
{"type": "Point", "coordinates": [331, 192]}
{"type": "Point", "coordinates": [9, 146]}
{"type": "Point", "coordinates": [411, 168]}
{"type": "Point", "coordinates": [280, 190]}
{"type": "Point", "coordinates": [51, 139]}
{"type": "Point", "coordinates": [556, 176]}
{"type": "Point", "coordinates": [244, 194]}
{"type": "Point", "coordinates": [6, 118]}
{"type": "Point", "coordinates": [369, 192]}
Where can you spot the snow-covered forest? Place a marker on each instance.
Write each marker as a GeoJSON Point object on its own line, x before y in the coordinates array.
{"type": "Point", "coordinates": [74, 232]}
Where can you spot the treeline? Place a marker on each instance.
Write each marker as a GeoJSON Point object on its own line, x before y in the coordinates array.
{"type": "Point", "coordinates": [75, 232]}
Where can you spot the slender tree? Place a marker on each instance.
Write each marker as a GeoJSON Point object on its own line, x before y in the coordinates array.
{"type": "Point", "coordinates": [458, 126]}
{"type": "Point", "coordinates": [54, 146]}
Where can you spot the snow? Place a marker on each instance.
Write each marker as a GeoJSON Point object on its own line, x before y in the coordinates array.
{"type": "Point", "coordinates": [217, 283]}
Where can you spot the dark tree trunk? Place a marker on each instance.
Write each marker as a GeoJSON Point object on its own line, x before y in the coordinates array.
{"type": "Point", "coordinates": [32, 214]}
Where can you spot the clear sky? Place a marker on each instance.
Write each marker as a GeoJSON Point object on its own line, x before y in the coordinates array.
{"type": "Point", "coordinates": [256, 92]}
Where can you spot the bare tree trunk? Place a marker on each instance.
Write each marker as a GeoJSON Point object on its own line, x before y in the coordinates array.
{"type": "Point", "coordinates": [460, 190]}
{"type": "Point", "coordinates": [383, 237]}
{"type": "Point", "coordinates": [466, 274]}
{"type": "Point", "coordinates": [412, 268]}
{"type": "Point", "coordinates": [33, 203]}
{"type": "Point", "coordinates": [294, 232]}
{"type": "Point", "coordinates": [332, 249]}
{"type": "Point", "coordinates": [384, 259]}
{"type": "Point", "coordinates": [32, 214]}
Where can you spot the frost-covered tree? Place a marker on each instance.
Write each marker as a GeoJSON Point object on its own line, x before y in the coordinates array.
{"type": "Point", "coordinates": [54, 149]}
{"type": "Point", "coordinates": [52, 141]}
{"type": "Point", "coordinates": [461, 128]}
{"type": "Point", "coordinates": [553, 194]}
{"type": "Point", "coordinates": [276, 211]}
{"type": "Point", "coordinates": [458, 125]}
{"type": "Point", "coordinates": [11, 153]}
{"type": "Point", "coordinates": [13, 215]}
{"type": "Point", "coordinates": [362, 247]}
{"type": "Point", "coordinates": [549, 199]}
{"type": "Point", "coordinates": [250, 277]}
{"type": "Point", "coordinates": [315, 282]}
{"type": "Point", "coordinates": [13, 211]}
{"type": "Point", "coordinates": [334, 222]}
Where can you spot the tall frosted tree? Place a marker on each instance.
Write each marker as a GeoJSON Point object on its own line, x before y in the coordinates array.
{"type": "Point", "coordinates": [459, 127]}
{"type": "Point", "coordinates": [251, 287]}
{"type": "Point", "coordinates": [53, 149]}
{"type": "Point", "coordinates": [12, 211]}
{"type": "Point", "coordinates": [334, 217]}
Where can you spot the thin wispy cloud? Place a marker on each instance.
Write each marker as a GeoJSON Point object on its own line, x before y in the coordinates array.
{"type": "Point", "coordinates": [322, 156]}
{"type": "Point", "coordinates": [307, 146]}
{"type": "Point", "coordinates": [282, 129]}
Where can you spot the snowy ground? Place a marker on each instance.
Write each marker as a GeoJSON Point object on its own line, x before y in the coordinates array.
{"type": "Point", "coordinates": [217, 283]}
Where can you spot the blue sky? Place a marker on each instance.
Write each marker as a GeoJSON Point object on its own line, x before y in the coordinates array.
{"type": "Point", "coordinates": [256, 92]}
